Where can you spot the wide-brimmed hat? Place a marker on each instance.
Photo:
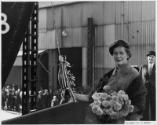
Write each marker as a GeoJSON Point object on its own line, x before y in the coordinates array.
{"type": "Point", "coordinates": [151, 53]}
{"type": "Point", "coordinates": [117, 44]}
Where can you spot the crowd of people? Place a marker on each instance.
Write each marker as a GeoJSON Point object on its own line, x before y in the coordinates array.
{"type": "Point", "coordinates": [12, 98]}
{"type": "Point", "coordinates": [43, 99]}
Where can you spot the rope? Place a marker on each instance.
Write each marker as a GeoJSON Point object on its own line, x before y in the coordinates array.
{"type": "Point", "coordinates": [43, 66]}
{"type": "Point", "coordinates": [58, 47]}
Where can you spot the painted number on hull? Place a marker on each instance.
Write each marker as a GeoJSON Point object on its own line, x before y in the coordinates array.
{"type": "Point", "coordinates": [4, 23]}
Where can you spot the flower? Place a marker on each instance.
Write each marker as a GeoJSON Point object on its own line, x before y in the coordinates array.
{"type": "Point", "coordinates": [121, 100]}
{"type": "Point", "coordinates": [131, 108]}
{"type": "Point", "coordinates": [114, 93]}
{"type": "Point", "coordinates": [114, 104]}
{"type": "Point", "coordinates": [106, 104]}
{"type": "Point", "coordinates": [97, 110]}
{"type": "Point", "coordinates": [96, 102]}
{"type": "Point", "coordinates": [117, 106]}
{"type": "Point", "coordinates": [104, 96]}
{"type": "Point", "coordinates": [96, 96]}
{"type": "Point", "coordinates": [121, 92]}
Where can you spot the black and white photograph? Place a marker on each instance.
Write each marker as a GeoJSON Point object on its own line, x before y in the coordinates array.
{"type": "Point", "coordinates": [78, 62]}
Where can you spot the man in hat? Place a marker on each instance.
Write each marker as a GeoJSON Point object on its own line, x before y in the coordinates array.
{"type": "Point", "coordinates": [148, 75]}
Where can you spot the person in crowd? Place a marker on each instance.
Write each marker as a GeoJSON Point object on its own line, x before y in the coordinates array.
{"type": "Point", "coordinates": [54, 101]}
{"type": "Point", "coordinates": [40, 100]}
{"type": "Point", "coordinates": [12, 98]}
{"type": "Point", "coordinates": [3, 98]}
{"type": "Point", "coordinates": [20, 95]}
{"type": "Point", "coordinates": [121, 77]}
{"type": "Point", "coordinates": [9, 99]}
{"type": "Point", "coordinates": [148, 75]}
{"type": "Point", "coordinates": [47, 99]}
{"type": "Point", "coordinates": [13, 87]}
{"type": "Point", "coordinates": [17, 100]}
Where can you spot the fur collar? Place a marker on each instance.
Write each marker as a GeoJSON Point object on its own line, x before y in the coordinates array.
{"type": "Point", "coordinates": [122, 79]}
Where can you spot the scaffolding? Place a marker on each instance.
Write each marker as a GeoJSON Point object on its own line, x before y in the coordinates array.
{"type": "Point", "coordinates": [29, 61]}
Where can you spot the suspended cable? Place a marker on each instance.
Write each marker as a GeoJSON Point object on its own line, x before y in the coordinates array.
{"type": "Point", "coordinates": [43, 66]}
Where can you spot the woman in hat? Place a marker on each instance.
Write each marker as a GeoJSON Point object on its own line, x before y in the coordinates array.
{"type": "Point", "coordinates": [121, 77]}
{"type": "Point", "coordinates": [148, 75]}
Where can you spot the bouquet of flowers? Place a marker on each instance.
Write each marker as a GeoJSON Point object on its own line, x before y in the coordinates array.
{"type": "Point", "coordinates": [115, 105]}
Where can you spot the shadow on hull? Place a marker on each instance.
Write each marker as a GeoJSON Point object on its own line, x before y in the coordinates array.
{"type": "Point", "coordinates": [70, 113]}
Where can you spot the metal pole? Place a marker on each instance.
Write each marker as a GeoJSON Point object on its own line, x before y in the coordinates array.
{"type": "Point", "coordinates": [90, 53]}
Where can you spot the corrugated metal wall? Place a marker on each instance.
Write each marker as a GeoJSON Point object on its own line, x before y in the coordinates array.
{"type": "Point", "coordinates": [133, 21]}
